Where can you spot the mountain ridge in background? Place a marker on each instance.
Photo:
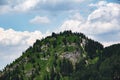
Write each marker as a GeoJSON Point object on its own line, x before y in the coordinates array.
{"type": "Point", "coordinates": [65, 56]}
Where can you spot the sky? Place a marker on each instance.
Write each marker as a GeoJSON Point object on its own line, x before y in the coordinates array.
{"type": "Point", "coordinates": [24, 21]}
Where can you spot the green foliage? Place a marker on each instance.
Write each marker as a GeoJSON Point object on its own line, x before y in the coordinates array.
{"type": "Point", "coordinates": [47, 60]}
{"type": "Point", "coordinates": [66, 67]}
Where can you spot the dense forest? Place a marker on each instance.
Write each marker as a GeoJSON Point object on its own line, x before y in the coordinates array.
{"type": "Point", "coordinates": [65, 56]}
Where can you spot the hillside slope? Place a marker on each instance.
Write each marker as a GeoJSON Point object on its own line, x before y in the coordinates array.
{"type": "Point", "coordinates": [65, 56]}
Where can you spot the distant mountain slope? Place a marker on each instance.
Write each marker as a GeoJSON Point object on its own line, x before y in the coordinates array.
{"type": "Point", "coordinates": [65, 56]}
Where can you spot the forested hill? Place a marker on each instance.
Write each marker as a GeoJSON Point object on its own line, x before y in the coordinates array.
{"type": "Point", "coordinates": [65, 56]}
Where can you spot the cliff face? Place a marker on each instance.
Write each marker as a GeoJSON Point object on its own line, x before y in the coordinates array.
{"type": "Point", "coordinates": [65, 56]}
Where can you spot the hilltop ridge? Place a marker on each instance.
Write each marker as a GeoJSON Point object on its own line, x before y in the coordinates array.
{"type": "Point", "coordinates": [65, 56]}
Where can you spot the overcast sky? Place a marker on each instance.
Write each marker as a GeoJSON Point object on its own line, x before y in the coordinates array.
{"type": "Point", "coordinates": [24, 21]}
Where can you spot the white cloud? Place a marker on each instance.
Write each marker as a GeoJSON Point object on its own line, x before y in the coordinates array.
{"type": "Point", "coordinates": [111, 9]}
{"type": "Point", "coordinates": [13, 43]}
{"type": "Point", "coordinates": [60, 1]}
{"type": "Point", "coordinates": [4, 9]}
{"type": "Point", "coordinates": [26, 5]}
{"type": "Point", "coordinates": [78, 0]}
{"type": "Point", "coordinates": [77, 16]}
{"type": "Point", "coordinates": [18, 6]}
{"type": "Point", "coordinates": [11, 37]}
{"type": "Point", "coordinates": [38, 5]}
{"type": "Point", "coordinates": [110, 43]}
{"type": "Point", "coordinates": [40, 20]}
{"type": "Point", "coordinates": [99, 4]}
{"type": "Point", "coordinates": [105, 19]}
{"type": "Point", "coordinates": [70, 25]}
